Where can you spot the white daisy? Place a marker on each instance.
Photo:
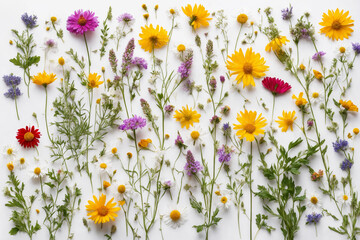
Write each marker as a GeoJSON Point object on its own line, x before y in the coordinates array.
{"type": "Point", "coordinates": [21, 163]}
{"type": "Point", "coordinates": [224, 201]}
{"type": "Point", "coordinates": [175, 217]}
{"type": "Point", "coordinates": [196, 135]}
{"type": "Point", "coordinates": [342, 51]}
{"type": "Point", "coordinates": [313, 201]}
{"type": "Point", "coordinates": [10, 153]}
{"type": "Point", "coordinates": [103, 166]}
{"type": "Point", "coordinates": [37, 171]}
{"type": "Point", "coordinates": [121, 190]}
{"type": "Point", "coordinates": [345, 199]}
{"type": "Point", "coordinates": [316, 97]}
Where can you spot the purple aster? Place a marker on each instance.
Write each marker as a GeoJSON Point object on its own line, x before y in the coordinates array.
{"type": "Point", "coordinates": [29, 20]}
{"type": "Point", "coordinates": [192, 166]}
{"type": "Point", "coordinates": [11, 93]}
{"type": "Point", "coordinates": [133, 123]}
{"type": "Point", "coordinates": [81, 22]}
{"type": "Point", "coordinates": [126, 18]}
{"type": "Point", "coordinates": [184, 68]}
{"type": "Point", "coordinates": [140, 62]}
{"type": "Point", "coordinates": [287, 13]}
{"type": "Point", "coordinates": [11, 80]}
{"type": "Point", "coordinates": [127, 57]}
{"type": "Point", "coordinates": [224, 154]}
{"type": "Point", "coordinates": [317, 56]}
{"type": "Point", "coordinates": [356, 47]}
{"type": "Point", "coordinates": [340, 145]}
{"type": "Point", "coordinates": [346, 165]}
{"type": "Point", "coordinates": [313, 218]}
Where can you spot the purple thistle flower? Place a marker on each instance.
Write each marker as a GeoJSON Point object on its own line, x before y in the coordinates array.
{"type": "Point", "coordinates": [317, 56]}
{"type": "Point", "coordinates": [215, 119]}
{"type": "Point", "coordinates": [140, 62]}
{"type": "Point", "coordinates": [127, 57]}
{"type": "Point", "coordinates": [340, 145]}
{"type": "Point", "coordinates": [80, 22]}
{"type": "Point", "coordinates": [224, 154]}
{"type": "Point", "coordinates": [126, 18]}
{"type": "Point", "coordinates": [133, 123]}
{"type": "Point", "coordinates": [310, 123]}
{"type": "Point", "coordinates": [287, 13]}
{"type": "Point", "coordinates": [356, 47]}
{"type": "Point", "coordinates": [12, 93]}
{"type": "Point", "coordinates": [346, 165]}
{"type": "Point", "coordinates": [11, 80]}
{"type": "Point", "coordinates": [313, 218]}
{"type": "Point", "coordinates": [192, 166]}
{"type": "Point", "coordinates": [184, 68]}
{"type": "Point", "coordinates": [29, 20]}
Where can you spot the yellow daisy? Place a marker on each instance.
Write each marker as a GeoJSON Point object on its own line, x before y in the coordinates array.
{"type": "Point", "coordinates": [44, 78]}
{"type": "Point", "coordinates": [300, 101]}
{"type": "Point", "coordinates": [286, 120]}
{"type": "Point", "coordinates": [318, 75]}
{"type": "Point", "coordinates": [94, 80]}
{"type": "Point", "coordinates": [250, 125]}
{"type": "Point", "coordinates": [198, 15]}
{"type": "Point", "coordinates": [349, 105]}
{"type": "Point", "coordinates": [152, 38]}
{"type": "Point", "coordinates": [337, 25]}
{"type": "Point", "coordinates": [187, 117]}
{"type": "Point", "coordinates": [276, 43]}
{"type": "Point", "coordinates": [247, 66]}
{"type": "Point", "coordinates": [100, 212]}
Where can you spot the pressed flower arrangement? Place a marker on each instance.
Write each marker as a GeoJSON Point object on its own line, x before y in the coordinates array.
{"type": "Point", "coordinates": [183, 119]}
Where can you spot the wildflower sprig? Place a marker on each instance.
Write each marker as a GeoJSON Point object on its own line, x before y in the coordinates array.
{"type": "Point", "coordinates": [104, 33]}
{"type": "Point", "coordinates": [59, 32]}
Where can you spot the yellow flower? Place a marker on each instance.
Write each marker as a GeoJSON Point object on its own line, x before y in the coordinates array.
{"type": "Point", "coordinates": [106, 184]}
{"type": "Point", "coordinates": [156, 7]}
{"type": "Point", "coordinates": [187, 117]}
{"type": "Point", "coordinates": [152, 38]}
{"type": "Point", "coordinates": [356, 131]}
{"type": "Point", "coordinates": [61, 61]}
{"type": "Point", "coordinates": [10, 166]}
{"type": "Point", "coordinates": [250, 125]}
{"type": "Point", "coordinates": [198, 15]}
{"type": "Point", "coordinates": [276, 43]}
{"type": "Point", "coordinates": [100, 212]}
{"type": "Point", "coordinates": [146, 16]}
{"type": "Point", "coordinates": [11, 42]}
{"type": "Point", "coordinates": [318, 75]}
{"type": "Point", "coordinates": [53, 19]}
{"type": "Point", "coordinates": [144, 142]}
{"type": "Point", "coordinates": [286, 121]}
{"type": "Point", "coordinates": [144, 7]}
{"type": "Point", "coordinates": [114, 150]}
{"type": "Point", "coordinates": [94, 80]}
{"type": "Point", "coordinates": [242, 18]}
{"type": "Point", "coordinates": [44, 78]}
{"type": "Point", "coordinates": [300, 101]}
{"type": "Point", "coordinates": [172, 11]}
{"type": "Point", "coordinates": [337, 25]}
{"type": "Point", "coordinates": [129, 155]}
{"type": "Point", "coordinates": [349, 105]}
{"type": "Point", "coordinates": [98, 101]}
{"type": "Point", "coordinates": [48, 29]}
{"type": "Point", "coordinates": [181, 48]}
{"type": "Point", "coordinates": [246, 67]}
{"type": "Point", "coordinates": [302, 67]}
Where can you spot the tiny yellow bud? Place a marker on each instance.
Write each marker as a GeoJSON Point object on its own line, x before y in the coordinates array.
{"type": "Point", "coordinates": [106, 184]}
{"type": "Point", "coordinates": [37, 211]}
{"type": "Point", "coordinates": [61, 61]}
{"type": "Point", "coordinates": [302, 67]}
{"type": "Point", "coordinates": [53, 19]}
{"type": "Point", "coordinates": [11, 42]}
{"type": "Point", "coordinates": [129, 155]}
{"type": "Point", "coordinates": [10, 166]}
{"type": "Point", "coordinates": [181, 48]}
{"type": "Point", "coordinates": [114, 150]}
{"type": "Point", "coordinates": [103, 69]}
{"type": "Point", "coordinates": [146, 16]}
{"type": "Point", "coordinates": [356, 131]}
{"type": "Point", "coordinates": [172, 11]}
{"type": "Point", "coordinates": [167, 136]}
{"type": "Point", "coordinates": [342, 50]}
{"type": "Point", "coordinates": [349, 135]}
{"type": "Point", "coordinates": [144, 7]}
{"type": "Point", "coordinates": [156, 7]}
{"type": "Point", "coordinates": [48, 28]}
{"type": "Point", "coordinates": [98, 101]}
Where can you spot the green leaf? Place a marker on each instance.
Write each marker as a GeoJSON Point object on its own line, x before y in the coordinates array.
{"type": "Point", "coordinates": [14, 231]}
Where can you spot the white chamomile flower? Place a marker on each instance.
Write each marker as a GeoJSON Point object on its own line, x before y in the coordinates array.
{"type": "Point", "coordinates": [10, 152]}
{"type": "Point", "coordinates": [173, 12]}
{"type": "Point", "coordinates": [245, 18]}
{"type": "Point", "coordinates": [21, 163]}
{"type": "Point", "coordinates": [345, 198]}
{"type": "Point", "coordinates": [37, 171]}
{"type": "Point", "coordinates": [175, 217]}
{"type": "Point", "coordinates": [316, 97]}
{"type": "Point", "coordinates": [103, 166]}
{"type": "Point", "coordinates": [313, 201]}
{"type": "Point", "coordinates": [121, 190]}
{"type": "Point", "coordinates": [224, 201]}
{"type": "Point", "coordinates": [196, 135]}
{"type": "Point", "coordinates": [342, 51]}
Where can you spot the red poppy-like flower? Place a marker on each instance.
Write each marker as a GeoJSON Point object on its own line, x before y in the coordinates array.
{"type": "Point", "coordinates": [28, 137]}
{"type": "Point", "coordinates": [275, 85]}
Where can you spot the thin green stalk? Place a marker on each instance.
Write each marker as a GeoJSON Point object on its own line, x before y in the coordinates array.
{"type": "Point", "coordinates": [46, 119]}
{"type": "Point", "coordinates": [88, 53]}
{"type": "Point", "coordinates": [250, 185]}
{"type": "Point", "coordinates": [237, 38]}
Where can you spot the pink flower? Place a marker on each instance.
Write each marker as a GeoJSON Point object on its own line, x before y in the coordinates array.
{"type": "Point", "coordinates": [275, 85]}
{"type": "Point", "coordinates": [81, 22]}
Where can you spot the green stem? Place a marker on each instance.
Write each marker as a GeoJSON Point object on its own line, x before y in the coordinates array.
{"type": "Point", "coordinates": [237, 38]}
{"type": "Point", "coordinates": [16, 107]}
{"type": "Point", "coordinates": [250, 184]}
{"type": "Point", "coordinates": [46, 119]}
{"type": "Point", "coordinates": [88, 53]}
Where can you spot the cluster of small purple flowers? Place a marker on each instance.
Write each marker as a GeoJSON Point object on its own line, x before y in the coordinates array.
{"type": "Point", "coordinates": [169, 109]}
{"type": "Point", "coordinates": [287, 13]}
{"type": "Point", "coordinates": [133, 123]}
{"type": "Point", "coordinates": [317, 56]}
{"type": "Point", "coordinates": [127, 57]}
{"type": "Point", "coordinates": [179, 142]}
{"type": "Point", "coordinates": [50, 43]}
{"type": "Point", "coordinates": [192, 166]}
{"type": "Point", "coordinates": [313, 218]}
{"type": "Point", "coordinates": [224, 154]}
{"type": "Point", "coordinates": [346, 165]}
{"type": "Point", "coordinates": [139, 62]}
{"type": "Point", "coordinates": [184, 68]}
{"type": "Point", "coordinates": [340, 145]}
{"type": "Point", "coordinates": [12, 82]}
{"type": "Point", "coordinates": [29, 20]}
{"type": "Point", "coordinates": [215, 119]}
{"type": "Point", "coordinates": [356, 47]}
{"type": "Point", "coordinates": [126, 18]}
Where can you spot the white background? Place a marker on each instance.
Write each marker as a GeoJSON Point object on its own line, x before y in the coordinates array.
{"type": "Point", "coordinates": [227, 229]}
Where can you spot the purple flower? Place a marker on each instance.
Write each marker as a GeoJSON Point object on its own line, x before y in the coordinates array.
{"type": "Point", "coordinates": [222, 79]}
{"type": "Point", "coordinates": [179, 141]}
{"type": "Point", "coordinates": [305, 33]}
{"type": "Point", "coordinates": [11, 80]}
{"type": "Point", "coordinates": [81, 22]}
{"type": "Point", "coordinates": [346, 165]}
{"type": "Point", "coordinates": [189, 85]}
{"type": "Point", "coordinates": [317, 56]}
{"type": "Point", "coordinates": [356, 47]}
{"type": "Point", "coordinates": [50, 43]}
{"type": "Point", "coordinates": [310, 123]}
{"type": "Point", "coordinates": [140, 62]}
{"type": "Point", "coordinates": [133, 123]}
{"type": "Point", "coordinates": [224, 154]}
{"type": "Point", "coordinates": [127, 57]}
{"type": "Point", "coordinates": [340, 145]}
{"type": "Point", "coordinates": [313, 218]}
{"type": "Point", "coordinates": [168, 183]}
{"type": "Point", "coordinates": [287, 13]}
{"type": "Point", "coordinates": [225, 127]}
{"type": "Point", "coordinates": [126, 18]}
{"type": "Point", "coordinates": [184, 68]}
{"type": "Point", "coordinates": [212, 83]}
{"type": "Point", "coordinates": [192, 166]}
{"type": "Point", "coordinates": [169, 109]}
{"type": "Point", "coordinates": [215, 119]}
{"type": "Point", "coordinates": [29, 21]}
{"type": "Point", "coordinates": [12, 93]}
{"type": "Point", "coordinates": [113, 60]}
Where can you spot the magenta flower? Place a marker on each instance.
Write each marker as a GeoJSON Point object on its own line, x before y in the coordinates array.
{"type": "Point", "coordinates": [81, 22]}
{"type": "Point", "coordinates": [275, 85]}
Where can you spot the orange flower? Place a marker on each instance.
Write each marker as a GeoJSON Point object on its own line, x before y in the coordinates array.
{"type": "Point", "coordinates": [144, 143]}
{"type": "Point", "coordinates": [349, 105]}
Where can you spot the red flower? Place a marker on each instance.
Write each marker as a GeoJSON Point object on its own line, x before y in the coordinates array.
{"type": "Point", "coordinates": [275, 85]}
{"type": "Point", "coordinates": [28, 137]}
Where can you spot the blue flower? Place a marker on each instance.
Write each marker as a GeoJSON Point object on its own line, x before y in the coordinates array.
{"type": "Point", "coordinates": [11, 93]}
{"type": "Point", "coordinates": [346, 165]}
{"type": "Point", "coordinates": [356, 47]}
{"type": "Point", "coordinates": [287, 13]}
{"type": "Point", "coordinates": [313, 218]}
{"type": "Point", "coordinates": [340, 145]}
{"type": "Point", "coordinates": [29, 21]}
{"type": "Point", "coordinates": [11, 80]}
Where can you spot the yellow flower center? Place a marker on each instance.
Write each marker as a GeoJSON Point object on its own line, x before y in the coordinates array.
{"type": "Point", "coordinates": [53, 19]}
{"type": "Point", "coordinates": [82, 21]}
{"type": "Point", "coordinates": [302, 67]}
{"type": "Point", "coordinates": [218, 193]}
{"type": "Point", "coordinates": [103, 165]}
{"type": "Point", "coordinates": [342, 49]}
{"type": "Point", "coordinates": [336, 25]}
{"type": "Point", "coordinates": [289, 122]}
{"type": "Point", "coordinates": [314, 200]}
{"type": "Point", "coordinates": [250, 128]}
{"type": "Point", "coordinates": [248, 68]}
{"type": "Point", "coordinates": [103, 211]}
{"type": "Point", "coordinates": [114, 150]}
{"type": "Point", "coordinates": [9, 151]}
{"type": "Point", "coordinates": [121, 188]}
{"type": "Point", "coordinates": [345, 197]}
{"type": "Point", "coordinates": [37, 171]}
{"type": "Point", "coordinates": [181, 48]}
{"type": "Point", "coordinates": [61, 61]}
{"type": "Point", "coordinates": [195, 135]}
{"type": "Point", "coordinates": [22, 160]}
{"type": "Point", "coordinates": [129, 154]}
{"type": "Point", "coordinates": [172, 11]}
{"type": "Point", "coordinates": [315, 95]}
{"type": "Point", "coordinates": [154, 40]}
{"type": "Point", "coordinates": [356, 131]}
{"type": "Point", "coordinates": [28, 136]}
{"type": "Point", "coordinates": [175, 215]}
{"type": "Point", "coordinates": [242, 18]}
{"type": "Point", "coordinates": [106, 184]}
{"type": "Point", "coordinates": [224, 200]}
{"type": "Point", "coordinates": [10, 166]}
